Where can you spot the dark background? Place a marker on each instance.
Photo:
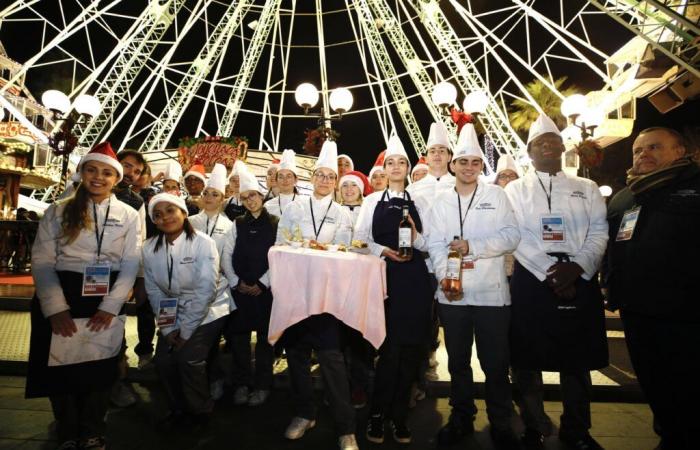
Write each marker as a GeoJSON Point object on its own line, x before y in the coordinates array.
{"type": "Point", "coordinates": [360, 133]}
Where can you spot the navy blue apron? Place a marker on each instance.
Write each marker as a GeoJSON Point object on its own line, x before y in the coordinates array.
{"type": "Point", "coordinates": [408, 308]}
{"type": "Point", "coordinates": [90, 376]}
{"type": "Point", "coordinates": [233, 210]}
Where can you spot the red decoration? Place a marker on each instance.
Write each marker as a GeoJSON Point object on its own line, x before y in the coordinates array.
{"type": "Point", "coordinates": [591, 153]}
{"type": "Point", "coordinates": [460, 118]}
{"type": "Point", "coordinates": [210, 150]}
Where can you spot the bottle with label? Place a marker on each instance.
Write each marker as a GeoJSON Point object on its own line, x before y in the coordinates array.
{"type": "Point", "coordinates": [405, 236]}
{"type": "Point", "coordinates": [454, 271]}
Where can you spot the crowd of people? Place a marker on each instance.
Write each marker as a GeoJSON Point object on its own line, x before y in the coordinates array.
{"type": "Point", "coordinates": [525, 250]}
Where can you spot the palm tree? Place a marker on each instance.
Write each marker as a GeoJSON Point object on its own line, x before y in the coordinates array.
{"type": "Point", "coordinates": [523, 113]}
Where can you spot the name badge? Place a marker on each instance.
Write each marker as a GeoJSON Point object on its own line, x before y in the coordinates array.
{"type": "Point", "coordinates": [167, 312]}
{"type": "Point", "coordinates": [467, 263]}
{"type": "Point", "coordinates": [627, 225]}
{"type": "Point", "coordinates": [552, 229]}
{"type": "Point", "coordinates": [96, 279]}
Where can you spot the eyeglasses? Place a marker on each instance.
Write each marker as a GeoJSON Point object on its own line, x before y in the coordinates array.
{"type": "Point", "coordinates": [324, 177]}
{"type": "Point", "coordinates": [505, 176]}
{"type": "Point", "coordinates": [248, 198]}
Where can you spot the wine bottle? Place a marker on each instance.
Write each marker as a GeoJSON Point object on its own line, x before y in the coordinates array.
{"type": "Point", "coordinates": [454, 271]}
{"type": "Point", "coordinates": [405, 235]}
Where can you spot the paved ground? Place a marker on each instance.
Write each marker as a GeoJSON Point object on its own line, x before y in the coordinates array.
{"type": "Point", "coordinates": [26, 424]}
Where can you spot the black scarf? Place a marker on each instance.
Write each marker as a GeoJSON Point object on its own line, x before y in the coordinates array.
{"type": "Point", "coordinates": [653, 180]}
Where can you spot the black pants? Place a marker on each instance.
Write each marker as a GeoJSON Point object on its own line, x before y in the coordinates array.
{"type": "Point", "coordinates": [359, 360]}
{"type": "Point", "coordinates": [396, 371]}
{"type": "Point", "coordinates": [184, 372]}
{"type": "Point", "coordinates": [80, 416]}
{"type": "Point", "coordinates": [489, 324]}
{"type": "Point", "coordinates": [323, 334]}
{"type": "Point", "coordinates": [242, 371]}
{"type": "Point", "coordinates": [663, 353]}
{"type": "Point", "coordinates": [146, 328]}
{"type": "Point", "coordinates": [575, 386]}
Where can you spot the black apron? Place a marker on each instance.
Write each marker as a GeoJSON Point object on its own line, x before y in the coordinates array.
{"type": "Point", "coordinates": [233, 210]}
{"type": "Point", "coordinates": [556, 335]}
{"type": "Point", "coordinates": [90, 376]}
{"type": "Point", "coordinates": [254, 237]}
{"type": "Point", "coordinates": [408, 308]}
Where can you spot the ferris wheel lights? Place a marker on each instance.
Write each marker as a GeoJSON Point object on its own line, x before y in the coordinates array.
{"type": "Point", "coordinates": [87, 105]}
{"type": "Point", "coordinates": [476, 102]}
{"type": "Point", "coordinates": [56, 101]}
{"type": "Point", "coordinates": [574, 105]}
{"type": "Point", "coordinates": [444, 94]}
{"type": "Point", "coordinates": [306, 96]}
{"type": "Point", "coordinates": [341, 100]}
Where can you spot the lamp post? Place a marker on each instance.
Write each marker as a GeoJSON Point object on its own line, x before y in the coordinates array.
{"type": "Point", "coordinates": [585, 118]}
{"type": "Point", "coordinates": [63, 141]}
{"type": "Point", "coordinates": [306, 96]}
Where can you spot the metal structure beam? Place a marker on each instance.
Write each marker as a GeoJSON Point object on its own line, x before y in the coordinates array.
{"type": "Point", "coordinates": [391, 78]}
{"type": "Point", "coordinates": [145, 35]}
{"type": "Point", "coordinates": [164, 126]}
{"type": "Point", "coordinates": [267, 20]}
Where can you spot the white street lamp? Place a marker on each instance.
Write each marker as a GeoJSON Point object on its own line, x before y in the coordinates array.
{"type": "Point", "coordinates": [56, 101]}
{"type": "Point", "coordinates": [574, 105]}
{"type": "Point", "coordinates": [476, 102]}
{"type": "Point", "coordinates": [306, 96]}
{"type": "Point", "coordinates": [444, 94]}
{"type": "Point", "coordinates": [341, 100]}
{"type": "Point", "coordinates": [605, 191]}
{"type": "Point", "coordinates": [87, 105]}
{"type": "Point", "coordinates": [591, 117]}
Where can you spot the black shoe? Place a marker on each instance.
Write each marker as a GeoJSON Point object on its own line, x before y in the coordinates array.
{"type": "Point", "coordinates": [402, 434]}
{"type": "Point", "coordinates": [585, 442]}
{"type": "Point", "coordinates": [454, 431]}
{"type": "Point", "coordinates": [532, 439]}
{"type": "Point", "coordinates": [375, 429]}
{"type": "Point", "coordinates": [505, 439]}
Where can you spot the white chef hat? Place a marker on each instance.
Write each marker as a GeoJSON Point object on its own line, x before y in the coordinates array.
{"type": "Point", "coordinates": [288, 161]}
{"type": "Point", "coordinates": [238, 166]}
{"type": "Point", "coordinates": [467, 144]}
{"type": "Point", "coordinates": [352, 164]}
{"type": "Point", "coordinates": [438, 135]}
{"type": "Point", "coordinates": [395, 148]}
{"type": "Point", "coordinates": [506, 162]}
{"type": "Point", "coordinates": [249, 182]}
{"type": "Point", "coordinates": [165, 197]}
{"type": "Point", "coordinates": [542, 125]}
{"type": "Point", "coordinates": [217, 178]}
{"type": "Point", "coordinates": [328, 158]}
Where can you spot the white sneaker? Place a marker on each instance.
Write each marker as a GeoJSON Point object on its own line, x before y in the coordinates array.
{"type": "Point", "coordinates": [297, 427]}
{"type": "Point", "coordinates": [258, 397]}
{"type": "Point", "coordinates": [216, 389]}
{"type": "Point", "coordinates": [240, 396]}
{"type": "Point", "coordinates": [347, 442]}
{"type": "Point", "coordinates": [145, 361]}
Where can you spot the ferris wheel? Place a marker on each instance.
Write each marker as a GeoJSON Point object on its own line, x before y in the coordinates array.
{"type": "Point", "coordinates": [163, 69]}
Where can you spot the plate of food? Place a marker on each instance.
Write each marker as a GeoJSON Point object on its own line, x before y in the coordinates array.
{"type": "Point", "coordinates": [357, 246]}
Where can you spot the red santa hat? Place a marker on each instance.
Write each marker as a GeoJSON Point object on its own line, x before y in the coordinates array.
{"type": "Point", "coordinates": [103, 153]}
{"type": "Point", "coordinates": [422, 164]}
{"type": "Point", "coordinates": [274, 163]}
{"type": "Point", "coordinates": [378, 164]}
{"type": "Point", "coordinates": [360, 180]}
{"type": "Point", "coordinates": [197, 170]}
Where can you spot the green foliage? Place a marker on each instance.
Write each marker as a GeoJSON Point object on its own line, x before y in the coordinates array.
{"type": "Point", "coordinates": [522, 113]}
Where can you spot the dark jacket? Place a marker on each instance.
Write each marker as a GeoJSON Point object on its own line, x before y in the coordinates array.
{"type": "Point", "coordinates": [655, 273]}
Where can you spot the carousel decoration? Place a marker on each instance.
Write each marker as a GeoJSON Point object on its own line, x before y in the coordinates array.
{"type": "Point", "coordinates": [210, 150]}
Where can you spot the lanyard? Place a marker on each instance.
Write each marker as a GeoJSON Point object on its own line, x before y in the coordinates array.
{"type": "Point", "coordinates": [279, 200]}
{"type": "Point", "coordinates": [214, 227]}
{"type": "Point", "coordinates": [169, 264]}
{"type": "Point", "coordinates": [464, 218]}
{"type": "Point", "coordinates": [313, 219]}
{"type": "Point", "coordinates": [386, 194]}
{"type": "Point", "coordinates": [549, 195]}
{"type": "Point", "coordinates": [100, 236]}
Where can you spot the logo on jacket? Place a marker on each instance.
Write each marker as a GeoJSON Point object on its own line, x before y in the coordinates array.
{"type": "Point", "coordinates": [187, 260]}
{"type": "Point", "coordinates": [578, 194]}
{"type": "Point", "coordinates": [485, 205]}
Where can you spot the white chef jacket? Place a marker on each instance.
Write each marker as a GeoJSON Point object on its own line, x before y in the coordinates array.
{"type": "Point", "coordinates": [217, 227]}
{"type": "Point", "coordinates": [338, 221]}
{"type": "Point", "coordinates": [196, 282]}
{"type": "Point", "coordinates": [227, 260]}
{"type": "Point", "coordinates": [491, 230]}
{"type": "Point", "coordinates": [354, 213]}
{"type": "Point", "coordinates": [363, 228]}
{"type": "Point", "coordinates": [277, 205]}
{"type": "Point", "coordinates": [121, 247]}
{"type": "Point", "coordinates": [579, 202]}
{"type": "Point", "coordinates": [430, 186]}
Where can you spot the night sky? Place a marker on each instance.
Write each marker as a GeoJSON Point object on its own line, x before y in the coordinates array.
{"type": "Point", "coordinates": [360, 133]}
